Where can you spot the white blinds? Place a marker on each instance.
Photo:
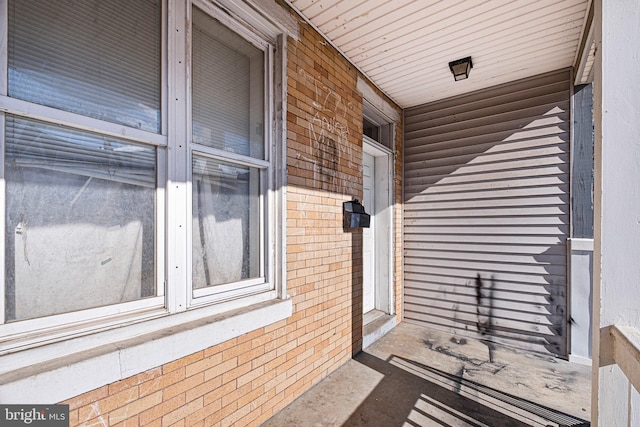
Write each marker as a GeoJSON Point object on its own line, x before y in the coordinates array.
{"type": "Point", "coordinates": [96, 58]}
{"type": "Point", "coordinates": [227, 89]}
{"type": "Point", "coordinates": [35, 144]}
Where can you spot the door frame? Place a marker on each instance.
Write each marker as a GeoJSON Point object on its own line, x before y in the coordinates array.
{"type": "Point", "coordinates": [384, 247]}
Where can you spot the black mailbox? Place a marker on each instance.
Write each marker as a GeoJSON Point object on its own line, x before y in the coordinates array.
{"type": "Point", "coordinates": [354, 215]}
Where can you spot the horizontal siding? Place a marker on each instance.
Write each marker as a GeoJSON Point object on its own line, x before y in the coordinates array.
{"type": "Point", "coordinates": [486, 213]}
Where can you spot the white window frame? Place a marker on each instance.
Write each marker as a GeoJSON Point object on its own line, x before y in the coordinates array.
{"type": "Point", "coordinates": [264, 282]}
{"type": "Point", "coordinates": [124, 339]}
{"type": "Point", "coordinates": [31, 332]}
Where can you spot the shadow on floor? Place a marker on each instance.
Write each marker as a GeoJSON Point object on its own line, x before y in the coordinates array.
{"type": "Point", "coordinates": [412, 394]}
{"type": "Point", "coordinates": [415, 376]}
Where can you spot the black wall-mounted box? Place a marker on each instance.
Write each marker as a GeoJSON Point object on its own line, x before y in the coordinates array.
{"type": "Point", "coordinates": [354, 215]}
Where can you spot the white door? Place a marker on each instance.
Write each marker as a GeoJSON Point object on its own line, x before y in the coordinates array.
{"type": "Point", "coordinates": [368, 241]}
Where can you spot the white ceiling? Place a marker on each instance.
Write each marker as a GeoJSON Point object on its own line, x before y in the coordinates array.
{"type": "Point", "coordinates": [405, 46]}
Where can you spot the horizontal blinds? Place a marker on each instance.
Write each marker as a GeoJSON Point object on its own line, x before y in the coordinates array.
{"type": "Point", "coordinates": [96, 58]}
{"type": "Point", "coordinates": [35, 144]}
{"type": "Point", "coordinates": [205, 167]}
{"type": "Point", "coordinates": [226, 96]}
{"type": "Point", "coordinates": [487, 213]}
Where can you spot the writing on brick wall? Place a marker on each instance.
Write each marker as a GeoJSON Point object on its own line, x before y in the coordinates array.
{"type": "Point", "coordinates": [328, 134]}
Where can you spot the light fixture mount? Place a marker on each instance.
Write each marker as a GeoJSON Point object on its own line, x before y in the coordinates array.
{"type": "Point", "coordinates": [460, 68]}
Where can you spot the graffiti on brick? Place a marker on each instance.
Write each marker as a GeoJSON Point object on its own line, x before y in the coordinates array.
{"type": "Point", "coordinates": [328, 132]}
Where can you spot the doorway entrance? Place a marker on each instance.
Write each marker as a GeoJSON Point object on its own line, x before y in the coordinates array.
{"type": "Point", "coordinates": [376, 242]}
{"type": "Point", "coordinates": [379, 126]}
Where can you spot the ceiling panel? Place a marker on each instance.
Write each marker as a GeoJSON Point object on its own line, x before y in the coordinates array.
{"type": "Point", "coordinates": [404, 46]}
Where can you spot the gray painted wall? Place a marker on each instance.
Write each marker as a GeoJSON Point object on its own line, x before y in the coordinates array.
{"type": "Point", "coordinates": [581, 242]}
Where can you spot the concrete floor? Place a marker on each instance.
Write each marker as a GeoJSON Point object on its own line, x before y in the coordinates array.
{"type": "Point", "coordinates": [414, 376]}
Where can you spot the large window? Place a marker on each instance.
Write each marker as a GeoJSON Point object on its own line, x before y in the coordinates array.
{"type": "Point", "coordinates": [228, 159]}
{"type": "Point", "coordinates": [96, 58]}
{"type": "Point", "coordinates": [79, 227]}
{"type": "Point", "coordinates": [137, 163]}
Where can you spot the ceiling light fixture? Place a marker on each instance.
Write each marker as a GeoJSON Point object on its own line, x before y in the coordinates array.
{"type": "Point", "coordinates": [461, 68]}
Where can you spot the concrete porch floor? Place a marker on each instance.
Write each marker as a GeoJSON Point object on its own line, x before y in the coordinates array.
{"type": "Point", "coordinates": [414, 376]}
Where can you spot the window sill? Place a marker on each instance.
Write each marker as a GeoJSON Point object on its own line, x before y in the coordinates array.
{"type": "Point", "coordinates": [59, 371]}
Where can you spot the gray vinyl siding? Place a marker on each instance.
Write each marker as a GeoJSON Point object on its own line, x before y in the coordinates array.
{"type": "Point", "coordinates": [486, 213]}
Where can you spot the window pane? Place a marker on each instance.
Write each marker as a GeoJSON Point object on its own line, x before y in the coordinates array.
{"type": "Point", "coordinates": [228, 89]}
{"type": "Point", "coordinates": [96, 58]}
{"type": "Point", "coordinates": [226, 222]}
{"type": "Point", "coordinates": [371, 130]}
{"type": "Point", "coordinates": [80, 212]}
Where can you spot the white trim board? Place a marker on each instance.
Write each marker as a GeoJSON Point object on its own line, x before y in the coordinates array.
{"type": "Point", "coordinates": [69, 376]}
{"type": "Point", "coordinates": [378, 102]}
{"type": "Point", "coordinates": [581, 244]}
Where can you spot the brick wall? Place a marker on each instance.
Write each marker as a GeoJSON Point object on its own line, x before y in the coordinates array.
{"type": "Point", "coordinates": [246, 380]}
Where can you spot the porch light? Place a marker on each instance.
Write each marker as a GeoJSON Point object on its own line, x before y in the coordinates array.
{"type": "Point", "coordinates": [461, 68]}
